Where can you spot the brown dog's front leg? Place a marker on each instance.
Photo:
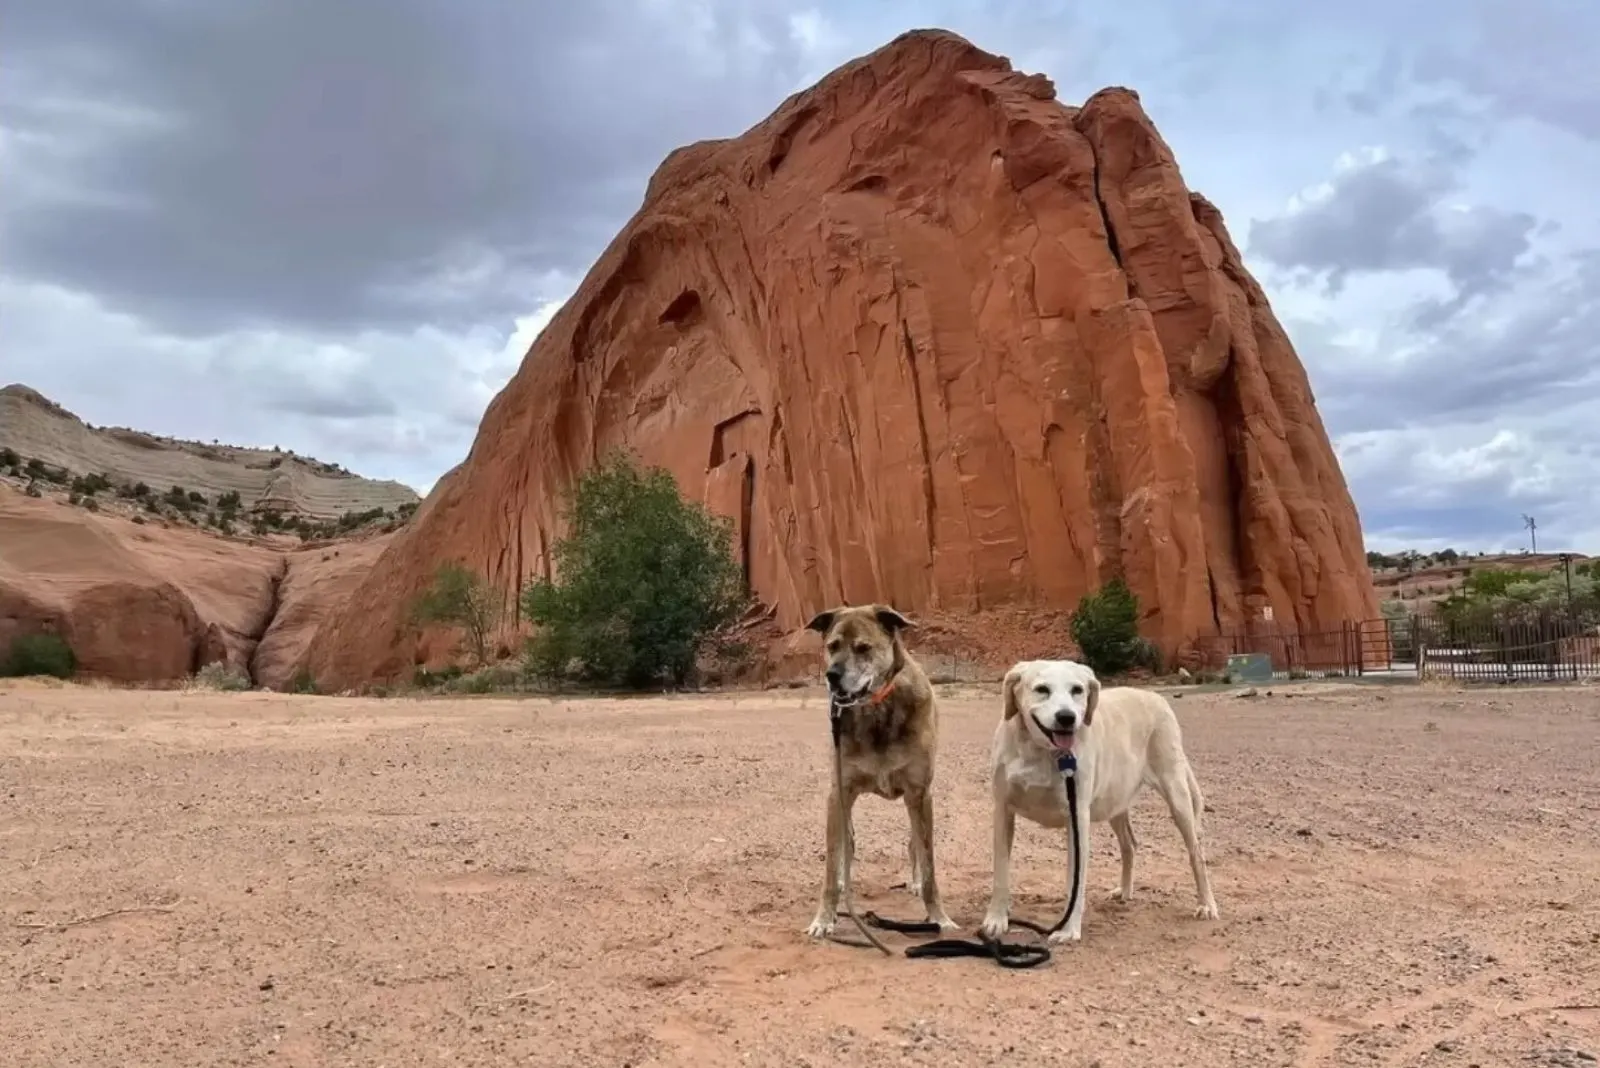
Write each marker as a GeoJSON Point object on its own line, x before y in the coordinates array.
{"type": "Point", "coordinates": [837, 868]}
{"type": "Point", "coordinates": [919, 806]}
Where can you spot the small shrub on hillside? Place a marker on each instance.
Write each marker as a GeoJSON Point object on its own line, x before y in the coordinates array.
{"type": "Point", "coordinates": [1106, 629]}
{"type": "Point", "coordinates": [303, 682]}
{"type": "Point", "coordinates": [42, 471]}
{"type": "Point", "coordinates": [219, 676]}
{"type": "Point", "coordinates": [39, 654]}
{"type": "Point", "coordinates": [9, 458]}
{"type": "Point", "coordinates": [33, 490]}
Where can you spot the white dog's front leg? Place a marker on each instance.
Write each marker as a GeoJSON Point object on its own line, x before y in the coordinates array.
{"type": "Point", "coordinates": [998, 918]}
{"type": "Point", "coordinates": [1072, 931]}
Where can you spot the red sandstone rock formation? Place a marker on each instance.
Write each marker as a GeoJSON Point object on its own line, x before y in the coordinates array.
{"type": "Point", "coordinates": [152, 604]}
{"type": "Point", "coordinates": [930, 337]}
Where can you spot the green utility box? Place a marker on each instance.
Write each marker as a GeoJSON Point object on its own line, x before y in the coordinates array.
{"type": "Point", "coordinates": [1250, 667]}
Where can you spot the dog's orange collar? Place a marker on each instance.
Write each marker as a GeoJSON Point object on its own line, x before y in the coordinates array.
{"type": "Point", "coordinates": [882, 695]}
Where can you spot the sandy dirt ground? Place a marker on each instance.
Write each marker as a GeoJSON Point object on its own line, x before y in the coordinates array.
{"type": "Point", "coordinates": [1406, 877]}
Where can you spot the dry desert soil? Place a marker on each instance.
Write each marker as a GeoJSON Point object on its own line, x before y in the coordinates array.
{"type": "Point", "coordinates": [1406, 877]}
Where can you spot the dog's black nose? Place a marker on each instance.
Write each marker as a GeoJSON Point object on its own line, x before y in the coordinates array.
{"type": "Point", "coordinates": [834, 675]}
{"type": "Point", "coordinates": [1066, 720]}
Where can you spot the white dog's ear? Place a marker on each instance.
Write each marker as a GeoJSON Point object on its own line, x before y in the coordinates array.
{"type": "Point", "coordinates": [1094, 700]}
{"type": "Point", "coordinates": [821, 622]}
{"type": "Point", "coordinates": [1009, 689]}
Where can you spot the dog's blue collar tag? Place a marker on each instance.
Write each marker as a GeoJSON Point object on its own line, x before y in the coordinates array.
{"type": "Point", "coordinates": [1066, 764]}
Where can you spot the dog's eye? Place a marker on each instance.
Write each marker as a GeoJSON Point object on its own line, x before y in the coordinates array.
{"type": "Point", "coordinates": [833, 646]}
{"type": "Point", "coordinates": [862, 648]}
{"type": "Point", "coordinates": [1077, 691]}
{"type": "Point", "coordinates": [1042, 690]}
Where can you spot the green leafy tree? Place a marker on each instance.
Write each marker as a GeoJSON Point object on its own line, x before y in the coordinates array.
{"type": "Point", "coordinates": [458, 598]}
{"type": "Point", "coordinates": [644, 581]}
{"type": "Point", "coordinates": [1495, 583]}
{"type": "Point", "coordinates": [1106, 629]}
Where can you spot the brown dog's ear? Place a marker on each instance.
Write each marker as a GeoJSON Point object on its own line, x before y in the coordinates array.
{"type": "Point", "coordinates": [821, 622]}
{"type": "Point", "coordinates": [890, 620]}
{"type": "Point", "coordinates": [1094, 700]}
{"type": "Point", "coordinates": [1009, 689]}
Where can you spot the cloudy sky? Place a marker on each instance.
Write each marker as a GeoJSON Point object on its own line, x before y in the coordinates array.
{"type": "Point", "coordinates": [335, 226]}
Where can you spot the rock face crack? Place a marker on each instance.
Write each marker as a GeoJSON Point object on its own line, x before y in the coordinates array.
{"type": "Point", "coordinates": [274, 606]}
{"type": "Point", "coordinates": [1112, 244]}
{"type": "Point", "coordinates": [930, 498]}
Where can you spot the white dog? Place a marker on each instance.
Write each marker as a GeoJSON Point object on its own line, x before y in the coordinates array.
{"type": "Point", "coordinates": [1123, 738]}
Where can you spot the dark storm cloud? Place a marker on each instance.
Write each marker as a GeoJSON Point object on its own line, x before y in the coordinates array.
{"type": "Point", "coordinates": [318, 164]}
{"type": "Point", "coordinates": [1386, 215]}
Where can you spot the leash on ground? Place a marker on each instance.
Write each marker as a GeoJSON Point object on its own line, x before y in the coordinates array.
{"type": "Point", "coordinates": [1005, 954]}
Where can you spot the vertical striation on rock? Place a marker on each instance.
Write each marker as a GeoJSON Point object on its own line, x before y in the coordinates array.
{"type": "Point", "coordinates": [928, 336]}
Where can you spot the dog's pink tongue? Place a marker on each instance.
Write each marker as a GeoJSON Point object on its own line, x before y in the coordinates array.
{"type": "Point", "coordinates": [1064, 742]}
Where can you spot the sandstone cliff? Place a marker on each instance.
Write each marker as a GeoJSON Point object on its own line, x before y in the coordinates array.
{"type": "Point", "coordinates": [931, 337]}
{"type": "Point", "coordinates": [151, 602]}
{"type": "Point", "coordinates": [36, 428]}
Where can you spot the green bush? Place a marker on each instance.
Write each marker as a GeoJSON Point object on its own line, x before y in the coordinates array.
{"type": "Point", "coordinates": [458, 598]}
{"type": "Point", "coordinates": [496, 678]}
{"type": "Point", "coordinates": [424, 679]}
{"type": "Point", "coordinates": [219, 676]}
{"type": "Point", "coordinates": [303, 682]}
{"type": "Point", "coordinates": [39, 654]}
{"type": "Point", "coordinates": [1106, 630]}
{"type": "Point", "coordinates": [644, 580]}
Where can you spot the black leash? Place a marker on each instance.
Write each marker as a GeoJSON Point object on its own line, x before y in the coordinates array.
{"type": "Point", "coordinates": [1005, 954]}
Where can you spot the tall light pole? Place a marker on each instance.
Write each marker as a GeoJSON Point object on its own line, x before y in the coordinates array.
{"type": "Point", "coordinates": [1533, 532]}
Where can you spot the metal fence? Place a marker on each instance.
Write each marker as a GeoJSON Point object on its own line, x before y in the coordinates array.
{"type": "Point", "coordinates": [1499, 644]}
{"type": "Point", "coordinates": [1355, 648]}
{"type": "Point", "coordinates": [1516, 644]}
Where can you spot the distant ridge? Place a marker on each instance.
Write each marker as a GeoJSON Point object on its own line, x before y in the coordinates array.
{"type": "Point", "coordinates": [37, 428]}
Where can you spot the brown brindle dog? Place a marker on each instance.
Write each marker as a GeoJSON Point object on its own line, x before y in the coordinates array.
{"type": "Point", "coordinates": [887, 745]}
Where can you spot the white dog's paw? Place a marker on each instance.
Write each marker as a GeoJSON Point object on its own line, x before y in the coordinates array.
{"type": "Point", "coordinates": [822, 926]}
{"type": "Point", "coordinates": [994, 926]}
{"type": "Point", "coordinates": [946, 924]}
{"type": "Point", "coordinates": [1070, 933]}
{"type": "Point", "coordinates": [1118, 896]}
{"type": "Point", "coordinates": [1207, 911]}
